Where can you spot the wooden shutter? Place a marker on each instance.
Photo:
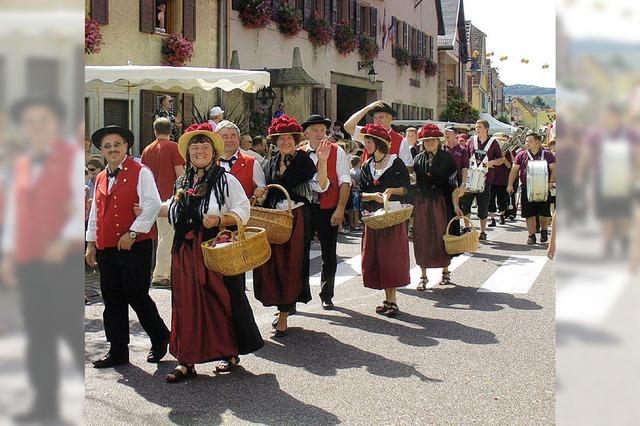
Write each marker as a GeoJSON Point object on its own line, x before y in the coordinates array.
{"type": "Point", "coordinates": [373, 31]}
{"type": "Point", "coordinates": [235, 4]}
{"type": "Point", "coordinates": [326, 10]}
{"type": "Point", "coordinates": [357, 17]}
{"type": "Point", "coordinates": [307, 8]}
{"type": "Point", "coordinates": [100, 11]}
{"type": "Point", "coordinates": [410, 39]}
{"type": "Point", "coordinates": [187, 109]}
{"type": "Point", "coordinates": [405, 35]}
{"type": "Point", "coordinates": [189, 19]}
{"type": "Point", "coordinates": [276, 5]}
{"type": "Point", "coordinates": [345, 10]}
{"type": "Point", "coordinates": [365, 20]}
{"type": "Point", "coordinates": [334, 12]}
{"type": "Point", "coordinates": [394, 28]}
{"type": "Point", "coordinates": [147, 109]}
{"type": "Point", "coordinates": [147, 16]}
{"type": "Point", "coordinates": [431, 47]}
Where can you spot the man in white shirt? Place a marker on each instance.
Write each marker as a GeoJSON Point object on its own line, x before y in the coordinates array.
{"type": "Point", "coordinates": [327, 208]}
{"type": "Point", "coordinates": [120, 243]}
{"type": "Point", "coordinates": [383, 115]}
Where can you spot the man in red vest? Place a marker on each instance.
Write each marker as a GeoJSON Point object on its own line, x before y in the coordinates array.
{"type": "Point", "coordinates": [383, 115]}
{"type": "Point", "coordinates": [121, 244]}
{"type": "Point", "coordinates": [165, 162]}
{"type": "Point", "coordinates": [327, 208]}
{"type": "Point", "coordinates": [41, 242]}
{"type": "Point", "coordinates": [243, 166]}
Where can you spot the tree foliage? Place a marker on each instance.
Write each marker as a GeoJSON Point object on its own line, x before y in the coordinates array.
{"type": "Point", "coordinates": [458, 110]}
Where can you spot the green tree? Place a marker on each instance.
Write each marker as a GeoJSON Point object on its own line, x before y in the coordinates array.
{"type": "Point", "coordinates": [458, 110]}
{"type": "Point", "coordinates": [539, 102]}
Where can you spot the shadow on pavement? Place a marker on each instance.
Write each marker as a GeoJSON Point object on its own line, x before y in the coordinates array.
{"type": "Point", "coordinates": [304, 350]}
{"type": "Point", "coordinates": [472, 298]}
{"type": "Point", "coordinates": [431, 328]}
{"type": "Point", "coordinates": [250, 397]}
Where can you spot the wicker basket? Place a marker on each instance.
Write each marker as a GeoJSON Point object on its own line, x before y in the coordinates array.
{"type": "Point", "coordinates": [277, 223]}
{"type": "Point", "coordinates": [250, 251]}
{"type": "Point", "coordinates": [388, 218]}
{"type": "Point", "coordinates": [465, 243]}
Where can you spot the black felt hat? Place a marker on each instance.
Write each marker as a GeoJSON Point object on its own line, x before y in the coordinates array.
{"type": "Point", "coordinates": [385, 108]}
{"type": "Point", "coordinates": [315, 119]}
{"type": "Point", "coordinates": [96, 137]}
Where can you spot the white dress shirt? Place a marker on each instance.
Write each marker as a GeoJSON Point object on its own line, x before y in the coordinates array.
{"type": "Point", "coordinates": [150, 204]}
{"type": "Point", "coordinates": [258, 174]}
{"type": "Point", "coordinates": [236, 202]}
{"type": "Point", "coordinates": [405, 149]}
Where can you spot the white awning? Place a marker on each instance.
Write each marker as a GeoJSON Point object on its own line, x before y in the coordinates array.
{"type": "Point", "coordinates": [496, 126]}
{"type": "Point", "coordinates": [166, 77]}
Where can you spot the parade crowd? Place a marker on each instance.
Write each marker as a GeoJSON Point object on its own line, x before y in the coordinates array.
{"type": "Point", "coordinates": [189, 185]}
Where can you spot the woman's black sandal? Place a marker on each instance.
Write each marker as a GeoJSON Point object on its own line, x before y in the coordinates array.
{"type": "Point", "coordinates": [225, 366]}
{"type": "Point", "coordinates": [177, 375]}
{"type": "Point", "coordinates": [392, 311]}
{"type": "Point", "coordinates": [446, 278]}
{"type": "Point", "coordinates": [382, 309]}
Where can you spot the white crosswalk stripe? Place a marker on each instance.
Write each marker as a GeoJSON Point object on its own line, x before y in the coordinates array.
{"type": "Point", "coordinates": [435, 274]}
{"type": "Point", "coordinates": [516, 275]}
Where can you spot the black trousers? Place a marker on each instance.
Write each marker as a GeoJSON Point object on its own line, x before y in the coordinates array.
{"type": "Point", "coordinates": [328, 235]}
{"type": "Point", "coordinates": [125, 278]}
{"type": "Point", "coordinates": [499, 194]}
{"type": "Point", "coordinates": [52, 310]}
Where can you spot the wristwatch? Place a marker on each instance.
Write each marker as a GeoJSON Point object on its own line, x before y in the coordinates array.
{"type": "Point", "coordinates": [133, 235]}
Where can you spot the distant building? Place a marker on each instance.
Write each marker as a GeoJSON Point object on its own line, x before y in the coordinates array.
{"type": "Point", "coordinates": [478, 85]}
{"type": "Point", "coordinates": [523, 113]}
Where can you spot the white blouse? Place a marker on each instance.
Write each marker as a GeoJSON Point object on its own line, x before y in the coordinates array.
{"type": "Point", "coordinates": [377, 173]}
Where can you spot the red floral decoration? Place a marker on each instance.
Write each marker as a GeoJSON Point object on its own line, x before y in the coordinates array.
{"type": "Point", "coordinates": [285, 124]}
{"type": "Point", "coordinates": [177, 50]}
{"type": "Point", "coordinates": [289, 20]}
{"type": "Point", "coordinates": [403, 57]}
{"type": "Point", "coordinates": [92, 36]}
{"type": "Point", "coordinates": [319, 30]}
{"type": "Point", "coordinates": [430, 68]}
{"type": "Point", "coordinates": [368, 48]}
{"type": "Point", "coordinates": [417, 63]}
{"type": "Point", "coordinates": [377, 131]}
{"type": "Point", "coordinates": [345, 38]}
{"type": "Point", "coordinates": [429, 130]}
{"type": "Point", "coordinates": [255, 14]}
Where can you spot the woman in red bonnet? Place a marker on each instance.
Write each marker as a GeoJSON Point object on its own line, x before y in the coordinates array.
{"type": "Point", "coordinates": [385, 252]}
{"type": "Point", "coordinates": [211, 319]}
{"type": "Point", "coordinates": [284, 279]}
{"type": "Point", "coordinates": [436, 179]}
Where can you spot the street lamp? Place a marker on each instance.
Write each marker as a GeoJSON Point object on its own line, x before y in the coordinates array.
{"type": "Point", "coordinates": [372, 74]}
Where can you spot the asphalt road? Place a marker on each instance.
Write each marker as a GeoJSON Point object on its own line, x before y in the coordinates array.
{"type": "Point", "coordinates": [477, 352]}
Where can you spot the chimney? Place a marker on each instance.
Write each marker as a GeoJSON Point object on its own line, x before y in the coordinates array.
{"type": "Point", "coordinates": [235, 62]}
{"type": "Point", "coordinates": [297, 62]}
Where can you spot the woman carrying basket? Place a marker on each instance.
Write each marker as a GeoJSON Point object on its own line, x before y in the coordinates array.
{"type": "Point", "coordinates": [211, 319]}
{"type": "Point", "coordinates": [284, 279]}
{"type": "Point", "coordinates": [436, 174]}
{"type": "Point", "coordinates": [385, 252]}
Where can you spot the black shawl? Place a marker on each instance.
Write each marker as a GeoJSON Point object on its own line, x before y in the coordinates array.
{"type": "Point", "coordinates": [396, 176]}
{"type": "Point", "coordinates": [435, 173]}
{"type": "Point", "coordinates": [295, 179]}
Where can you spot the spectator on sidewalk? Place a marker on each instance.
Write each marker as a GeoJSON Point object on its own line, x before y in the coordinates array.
{"type": "Point", "coordinates": [166, 110]}
{"type": "Point", "coordinates": [216, 115]}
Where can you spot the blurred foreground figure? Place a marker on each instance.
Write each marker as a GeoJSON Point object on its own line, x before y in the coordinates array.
{"type": "Point", "coordinates": [41, 244]}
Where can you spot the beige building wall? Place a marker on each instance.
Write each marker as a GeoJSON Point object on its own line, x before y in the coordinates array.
{"type": "Point", "coordinates": [268, 48]}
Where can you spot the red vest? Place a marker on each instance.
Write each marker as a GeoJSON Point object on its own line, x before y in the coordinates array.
{"type": "Point", "coordinates": [42, 204]}
{"type": "Point", "coordinates": [243, 170]}
{"type": "Point", "coordinates": [396, 142]}
{"type": "Point", "coordinates": [114, 211]}
{"type": "Point", "coordinates": [329, 198]}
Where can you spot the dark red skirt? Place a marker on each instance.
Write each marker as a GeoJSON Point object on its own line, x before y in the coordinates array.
{"type": "Point", "coordinates": [284, 279]}
{"type": "Point", "coordinates": [429, 226]}
{"type": "Point", "coordinates": [385, 257]}
{"type": "Point", "coordinates": [202, 328]}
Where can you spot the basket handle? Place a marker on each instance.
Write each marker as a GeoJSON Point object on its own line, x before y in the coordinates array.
{"type": "Point", "coordinates": [254, 200]}
{"type": "Point", "coordinates": [385, 202]}
{"type": "Point", "coordinates": [239, 224]}
{"type": "Point", "coordinates": [466, 221]}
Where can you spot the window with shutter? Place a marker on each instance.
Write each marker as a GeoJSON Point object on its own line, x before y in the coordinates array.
{"type": "Point", "coordinates": [147, 16]}
{"type": "Point", "coordinates": [303, 6]}
{"type": "Point", "coordinates": [410, 39]}
{"type": "Point", "coordinates": [275, 4]}
{"type": "Point", "coordinates": [365, 20]}
{"type": "Point", "coordinates": [344, 10]}
{"type": "Point", "coordinates": [394, 35]}
{"type": "Point", "coordinates": [334, 12]}
{"type": "Point", "coordinates": [307, 7]}
{"type": "Point", "coordinates": [357, 17]}
{"type": "Point", "coordinates": [235, 4]}
{"type": "Point", "coordinates": [405, 35]}
{"type": "Point", "coordinates": [373, 31]}
{"type": "Point", "coordinates": [99, 10]}
{"type": "Point", "coordinates": [189, 19]}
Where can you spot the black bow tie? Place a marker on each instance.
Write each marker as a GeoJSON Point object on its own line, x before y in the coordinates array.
{"type": "Point", "coordinates": [114, 173]}
{"type": "Point", "coordinates": [230, 161]}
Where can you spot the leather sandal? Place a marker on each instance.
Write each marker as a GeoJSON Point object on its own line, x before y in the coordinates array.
{"type": "Point", "coordinates": [392, 311]}
{"type": "Point", "coordinates": [225, 366]}
{"type": "Point", "coordinates": [446, 278]}
{"type": "Point", "coordinates": [422, 285]}
{"type": "Point", "coordinates": [177, 375]}
{"type": "Point", "coordinates": [382, 309]}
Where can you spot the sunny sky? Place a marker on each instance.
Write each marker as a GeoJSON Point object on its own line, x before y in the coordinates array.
{"type": "Point", "coordinates": [518, 29]}
{"type": "Point", "coordinates": [610, 19]}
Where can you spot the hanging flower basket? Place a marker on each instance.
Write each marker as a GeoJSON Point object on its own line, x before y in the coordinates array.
{"type": "Point", "coordinates": [255, 14]}
{"type": "Point", "coordinates": [289, 20]}
{"type": "Point", "coordinates": [319, 30]}
{"type": "Point", "coordinates": [92, 36]}
{"type": "Point", "coordinates": [403, 57]}
{"type": "Point", "coordinates": [368, 48]}
{"type": "Point", "coordinates": [344, 38]}
{"type": "Point", "coordinates": [177, 50]}
{"type": "Point", "coordinates": [430, 68]}
{"type": "Point", "coordinates": [417, 63]}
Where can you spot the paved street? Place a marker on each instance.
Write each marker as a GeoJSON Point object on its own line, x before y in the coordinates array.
{"type": "Point", "coordinates": [478, 352]}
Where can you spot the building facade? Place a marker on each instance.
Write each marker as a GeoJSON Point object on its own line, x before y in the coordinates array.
{"type": "Point", "coordinates": [310, 79]}
{"type": "Point", "coordinates": [523, 113]}
{"type": "Point", "coordinates": [477, 82]}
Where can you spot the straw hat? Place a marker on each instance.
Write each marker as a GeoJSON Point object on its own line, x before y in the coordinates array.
{"type": "Point", "coordinates": [284, 125]}
{"type": "Point", "coordinates": [200, 129]}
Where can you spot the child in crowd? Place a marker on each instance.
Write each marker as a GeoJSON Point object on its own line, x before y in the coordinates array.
{"type": "Point", "coordinates": [356, 176]}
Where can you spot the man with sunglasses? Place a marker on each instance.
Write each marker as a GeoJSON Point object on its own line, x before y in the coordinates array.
{"type": "Point", "coordinates": [166, 110]}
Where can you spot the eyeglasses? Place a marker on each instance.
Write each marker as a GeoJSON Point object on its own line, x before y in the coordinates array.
{"type": "Point", "coordinates": [116, 145]}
